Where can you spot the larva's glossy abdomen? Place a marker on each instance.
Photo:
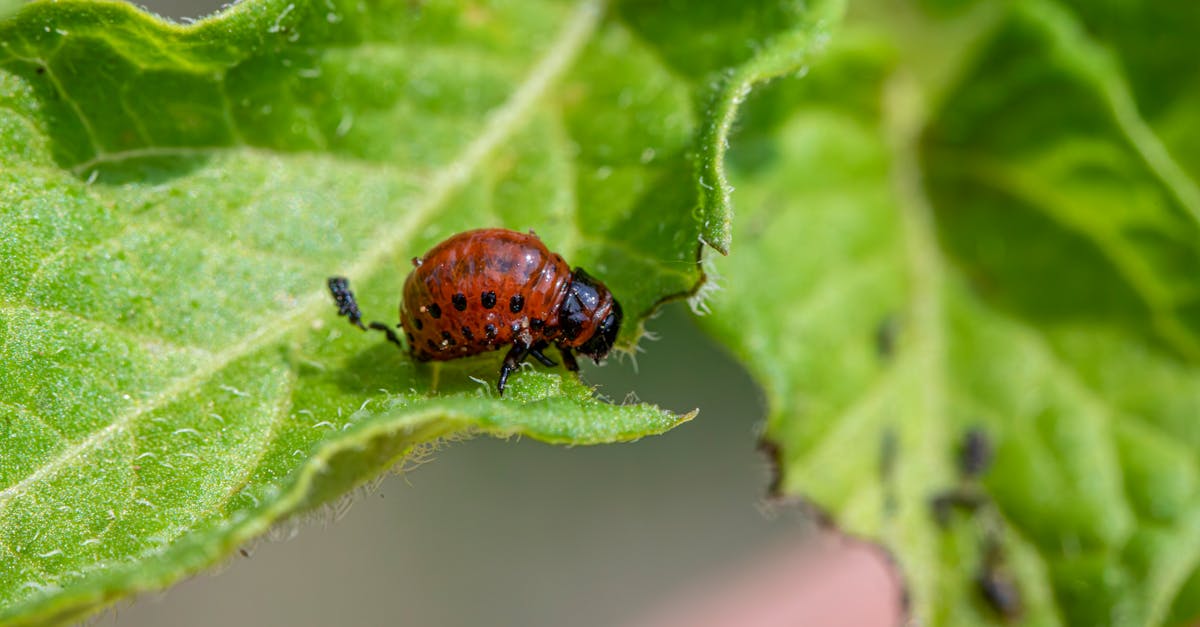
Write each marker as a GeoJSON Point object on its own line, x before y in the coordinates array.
{"type": "Point", "coordinates": [478, 290]}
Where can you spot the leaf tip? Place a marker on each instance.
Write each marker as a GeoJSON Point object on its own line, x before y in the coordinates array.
{"type": "Point", "coordinates": [718, 238]}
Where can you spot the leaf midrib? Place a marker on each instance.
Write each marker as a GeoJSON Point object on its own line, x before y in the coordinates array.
{"type": "Point", "coordinates": [903, 122]}
{"type": "Point", "coordinates": [504, 121]}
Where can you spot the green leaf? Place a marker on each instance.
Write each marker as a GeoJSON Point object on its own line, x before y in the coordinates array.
{"type": "Point", "coordinates": [778, 38]}
{"type": "Point", "coordinates": [8, 7]}
{"type": "Point", "coordinates": [985, 217]}
{"type": "Point", "coordinates": [174, 377]}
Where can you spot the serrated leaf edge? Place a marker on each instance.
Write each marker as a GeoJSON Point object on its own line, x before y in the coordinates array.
{"type": "Point", "coordinates": [787, 53]}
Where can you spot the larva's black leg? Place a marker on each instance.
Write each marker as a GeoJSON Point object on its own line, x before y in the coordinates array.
{"type": "Point", "coordinates": [536, 353]}
{"type": "Point", "coordinates": [543, 359]}
{"type": "Point", "coordinates": [347, 306]}
{"type": "Point", "coordinates": [568, 359]}
{"type": "Point", "coordinates": [512, 361]}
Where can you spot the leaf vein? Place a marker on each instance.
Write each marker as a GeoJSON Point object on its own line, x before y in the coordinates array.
{"type": "Point", "coordinates": [1097, 65]}
{"type": "Point", "coordinates": [143, 339]}
{"type": "Point", "coordinates": [24, 411]}
{"type": "Point", "coordinates": [903, 122]}
{"type": "Point", "coordinates": [281, 410]}
{"type": "Point", "coordinates": [58, 87]}
{"type": "Point", "coordinates": [1131, 268]}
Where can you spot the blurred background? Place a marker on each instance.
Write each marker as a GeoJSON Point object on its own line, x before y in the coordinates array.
{"type": "Point", "coordinates": [490, 532]}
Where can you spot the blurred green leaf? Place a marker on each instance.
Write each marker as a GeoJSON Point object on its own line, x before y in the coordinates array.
{"type": "Point", "coordinates": [174, 377]}
{"type": "Point", "coordinates": [984, 216]}
{"type": "Point", "coordinates": [769, 40]}
{"type": "Point", "coordinates": [8, 7]}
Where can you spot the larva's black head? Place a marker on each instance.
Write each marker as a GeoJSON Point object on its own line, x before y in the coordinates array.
{"type": "Point", "coordinates": [589, 316]}
{"type": "Point", "coordinates": [605, 335]}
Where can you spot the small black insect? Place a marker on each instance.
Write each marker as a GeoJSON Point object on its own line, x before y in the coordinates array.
{"type": "Point", "coordinates": [996, 584]}
{"type": "Point", "coordinates": [886, 335]}
{"type": "Point", "coordinates": [975, 455]}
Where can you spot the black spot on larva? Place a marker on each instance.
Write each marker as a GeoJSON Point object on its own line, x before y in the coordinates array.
{"type": "Point", "coordinates": [516, 303]}
{"type": "Point", "coordinates": [417, 323]}
{"type": "Point", "coordinates": [432, 346]}
{"type": "Point", "coordinates": [447, 338]}
{"type": "Point", "coordinates": [536, 324]}
{"type": "Point", "coordinates": [410, 338]}
{"type": "Point", "coordinates": [435, 312]}
{"type": "Point", "coordinates": [460, 301]}
{"type": "Point", "coordinates": [490, 331]}
{"type": "Point", "coordinates": [488, 299]}
{"type": "Point", "coordinates": [516, 327]}
{"type": "Point", "coordinates": [470, 337]}
{"type": "Point", "coordinates": [41, 70]}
